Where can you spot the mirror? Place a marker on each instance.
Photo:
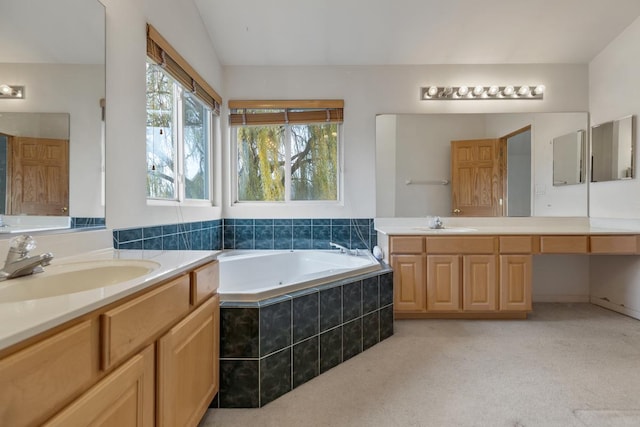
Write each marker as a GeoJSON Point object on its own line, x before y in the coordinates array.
{"type": "Point", "coordinates": [568, 159]}
{"type": "Point", "coordinates": [612, 150]}
{"type": "Point", "coordinates": [59, 58]}
{"type": "Point", "coordinates": [413, 162]}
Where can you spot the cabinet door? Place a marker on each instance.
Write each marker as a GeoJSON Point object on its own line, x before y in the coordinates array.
{"type": "Point", "coordinates": [188, 366]}
{"type": "Point", "coordinates": [443, 283]}
{"type": "Point", "coordinates": [408, 283]}
{"type": "Point", "coordinates": [479, 283]}
{"type": "Point", "coordinates": [515, 282]}
{"type": "Point", "coordinates": [123, 398]}
{"type": "Point", "coordinates": [40, 380]}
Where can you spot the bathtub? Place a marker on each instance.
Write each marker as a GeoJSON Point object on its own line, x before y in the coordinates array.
{"type": "Point", "coordinates": [257, 275]}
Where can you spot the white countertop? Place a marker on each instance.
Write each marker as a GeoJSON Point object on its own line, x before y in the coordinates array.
{"type": "Point", "coordinates": [24, 319]}
{"type": "Point", "coordinates": [503, 226]}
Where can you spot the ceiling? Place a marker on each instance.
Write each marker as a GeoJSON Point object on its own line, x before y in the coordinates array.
{"type": "Point", "coordinates": [378, 32]}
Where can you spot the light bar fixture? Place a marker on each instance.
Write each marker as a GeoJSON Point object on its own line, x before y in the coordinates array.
{"type": "Point", "coordinates": [435, 93]}
{"type": "Point", "coordinates": [11, 92]}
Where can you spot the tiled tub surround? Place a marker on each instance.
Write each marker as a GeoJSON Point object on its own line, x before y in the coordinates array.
{"type": "Point", "coordinates": [201, 235]}
{"type": "Point", "coordinates": [298, 233]}
{"type": "Point", "coordinates": [81, 222]}
{"type": "Point", "coordinates": [270, 347]}
{"type": "Point", "coordinates": [307, 233]}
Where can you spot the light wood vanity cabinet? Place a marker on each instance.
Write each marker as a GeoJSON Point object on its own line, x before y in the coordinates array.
{"type": "Point", "coordinates": [149, 359]}
{"type": "Point", "coordinates": [459, 277]}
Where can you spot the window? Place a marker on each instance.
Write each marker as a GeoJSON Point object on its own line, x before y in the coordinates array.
{"type": "Point", "coordinates": [179, 125]}
{"type": "Point", "coordinates": [286, 154]}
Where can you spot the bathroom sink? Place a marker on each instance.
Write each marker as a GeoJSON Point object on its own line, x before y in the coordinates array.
{"type": "Point", "coordinates": [69, 278]}
{"type": "Point", "coordinates": [446, 230]}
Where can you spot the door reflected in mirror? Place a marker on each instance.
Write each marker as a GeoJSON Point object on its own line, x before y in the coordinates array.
{"type": "Point", "coordinates": [56, 50]}
{"type": "Point", "coordinates": [34, 159]}
{"type": "Point", "coordinates": [612, 150]}
{"type": "Point", "coordinates": [413, 164]}
{"type": "Point", "coordinates": [568, 159]}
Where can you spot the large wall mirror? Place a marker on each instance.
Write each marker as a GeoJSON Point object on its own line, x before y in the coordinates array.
{"type": "Point", "coordinates": [612, 150]}
{"type": "Point", "coordinates": [417, 154]}
{"type": "Point", "coordinates": [59, 58]}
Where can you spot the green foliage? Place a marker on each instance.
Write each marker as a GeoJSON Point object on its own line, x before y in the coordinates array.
{"type": "Point", "coordinates": [313, 151]}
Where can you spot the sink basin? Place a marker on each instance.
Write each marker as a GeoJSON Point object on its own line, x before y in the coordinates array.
{"type": "Point", "coordinates": [63, 279]}
{"type": "Point", "coordinates": [446, 230]}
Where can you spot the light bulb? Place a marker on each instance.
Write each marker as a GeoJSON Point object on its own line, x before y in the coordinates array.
{"type": "Point", "coordinates": [508, 91]}
{"type": "Point", "coordinates": [523, 91]}
{"type": "Point", "coordinates": [432, 91]}
{"type": "Point", "coordinates": [478, 90]}
{"type": "Point", "coordinates": [5, 89]}
{"type": "Point", "coordinates": [447, 91]}
{"type": "Point", "coordinates": [539, 90]}
{"type": "Point", "coordinates": [493, 90]}
{"type": "Point", "coordinates": [463, 91]}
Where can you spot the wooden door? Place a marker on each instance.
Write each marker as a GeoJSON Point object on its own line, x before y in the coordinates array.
{"type": "Point", "coordinates": [39, 177]}
{"type": "Point", "coordinates": [123, 398]}
{"type": "Point", "coordinates": [515, 282]}
{"type": "Point", "coordinates": [408, 283]}
{"type": "Point", "coordinates": [188, 366]}
{"type": "Point", "coordinates": [479, 283]}
{"type": "Point", "coordinates": [443, 283]}
{"type": "Point", "coordinates": [477, 178]}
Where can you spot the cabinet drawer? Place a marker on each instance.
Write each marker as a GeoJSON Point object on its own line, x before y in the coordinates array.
{"type": "Point", "coordinates": [129, 326]}
{"type": "Point", "coordinates": [614, 244]}
{"type": "Point", "coordinates": [563, 244]}
{"type": "Point", "coordinates": [461, 245]}
{"type": "Point", "coordinates": [516, 244]}
{"type": "Point", "coordinates": [39, 380]}
{"type": "Point", "coordinates": [204, 282]}
{"type": "Point", "coordinates": [407, 244]}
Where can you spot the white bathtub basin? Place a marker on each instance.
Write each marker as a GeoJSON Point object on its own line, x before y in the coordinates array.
{"type": "Point", "coordinates": [74, 277]}
{"type": "Point", "coordinates": [446, 230]}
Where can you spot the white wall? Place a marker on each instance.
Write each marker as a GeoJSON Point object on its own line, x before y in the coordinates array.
{"type": "Point", "coordinates": [179, 22]}
{"type": "Point", "coordinates": [372, 90]}
{"type": "Point", "coordinates": [76, 90]}
{"type": "Point", "coordinates": [614, 93]}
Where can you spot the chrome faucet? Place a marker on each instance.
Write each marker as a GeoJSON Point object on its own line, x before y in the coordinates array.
{"type": "Point", "coordinates": [435, 222]}
{"type": "Point", "coordinates": [19, 263]}
{"type": "Point", "coordinates": [344, 250]}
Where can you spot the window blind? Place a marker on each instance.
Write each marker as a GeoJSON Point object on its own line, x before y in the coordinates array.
{"type": "Point", "coordinates": [251, 112]}
{"type": "Point", "coordinates": [163, 54]}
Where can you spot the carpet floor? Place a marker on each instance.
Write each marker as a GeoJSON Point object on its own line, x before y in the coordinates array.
{"type": "Point", "coordinates": [566, 365]}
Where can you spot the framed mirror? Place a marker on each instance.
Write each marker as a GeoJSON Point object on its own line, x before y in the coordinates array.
{"type": "Point", "coordinates": [612, 150]}
{"type": "Point", "coordinates": [59, 59]}
{"type": "Point", "coordinates": [414, 163]}
{"type": "Point", "coordinates": [568, 158]}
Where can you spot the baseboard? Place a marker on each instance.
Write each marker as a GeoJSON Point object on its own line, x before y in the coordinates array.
{"type": "Point", "coordinates": [560, 298]}
{"type": "Point", "coordinates": [616, 307]}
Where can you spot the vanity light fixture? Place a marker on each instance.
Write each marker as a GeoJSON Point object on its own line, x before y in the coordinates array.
{"type": "Point", "coordinates": [479, 92]}
{"type": "Point", "coordinates": [11, 92]}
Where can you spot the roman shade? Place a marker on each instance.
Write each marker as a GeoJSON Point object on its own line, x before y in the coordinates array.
{"type": "Point", "coordinates": [252, 112]}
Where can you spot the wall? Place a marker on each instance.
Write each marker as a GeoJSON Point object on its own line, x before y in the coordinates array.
{"type": "Point", "coordinates": [372, 90]}
{"type": "Point", "coordinates": [179, 22]}
{"type": "Point", "coordinates": [76, 90]}
{"type": "Point", "coordinates": [614, 93]}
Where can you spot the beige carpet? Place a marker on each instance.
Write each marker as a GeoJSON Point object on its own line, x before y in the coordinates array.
{"type": "Point", "coordinates": [567, 365]}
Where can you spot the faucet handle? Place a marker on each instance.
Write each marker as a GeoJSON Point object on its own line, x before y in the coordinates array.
{"type": "Point", "coordinates": [23, 243]}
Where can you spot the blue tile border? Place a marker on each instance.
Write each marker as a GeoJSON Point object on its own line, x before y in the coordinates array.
{"type": "Point", "coordinates": [298, 233]}
{"type": "Point", "coordinates": [199, 235]}
{"type": "Point", "coordinates": [82, 222]}
{"type": "Point", "coordinates": [262, 233]}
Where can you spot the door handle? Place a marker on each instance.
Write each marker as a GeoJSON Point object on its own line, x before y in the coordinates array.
{"type": "Point", "coordinates": [457, 211]}
{"type": "Point", "coordinates": [64, 209]}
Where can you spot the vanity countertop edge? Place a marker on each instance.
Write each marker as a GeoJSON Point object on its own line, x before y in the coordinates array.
{"type": "Point", "coordinates": [25, 319]}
